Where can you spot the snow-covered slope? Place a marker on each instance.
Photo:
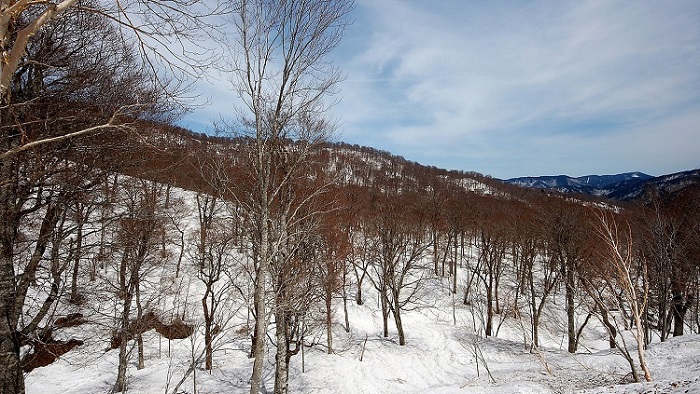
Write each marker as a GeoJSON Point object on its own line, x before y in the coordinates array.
{"type": "Point", "coordinates": [446, 352]}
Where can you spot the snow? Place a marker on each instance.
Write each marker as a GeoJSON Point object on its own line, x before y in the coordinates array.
{"type": "Point", "coordinates": [440, 357]}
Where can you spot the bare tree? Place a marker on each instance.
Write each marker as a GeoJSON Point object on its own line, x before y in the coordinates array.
{"type": "Point", "coordinates": [209, 262]}
{"type": "Point", "coordinates": [333, 250]}
{"type": "Point", "coordinates": [539, 273]}
{"type": "Point", "coordinates": [359, 238]}
{"type": "Point", "coordinates": [567, 239]}
{"type": "Point", "coordinates": [139, 226]}
{"type": "Point", "coordinates": [668, 235]}
{"type": "Point", "coordinates": [400, 228]}
{"type": "Point", "coordinates": [492, 249]}
{"type": "Point", "coordinates": [621, 271]}
{"type": "Point", "coordinates": [296, 289]}
{"type": "Point", "coordinates": [541, 279]}
{"type": "Point", "coordinates": [62, 60]}
{"type": "Point", "coordinates": [282, 76]}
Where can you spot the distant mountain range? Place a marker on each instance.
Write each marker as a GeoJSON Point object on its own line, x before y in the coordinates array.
{"type": "Point", "coordinates": [627, 186]}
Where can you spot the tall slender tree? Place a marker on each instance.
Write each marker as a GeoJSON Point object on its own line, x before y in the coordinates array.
{"type": "Point", "coordinates": [283, 76]}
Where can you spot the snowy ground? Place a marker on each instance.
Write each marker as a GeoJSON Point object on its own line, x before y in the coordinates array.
{"type": "Point", "coordinates": [440, 357]}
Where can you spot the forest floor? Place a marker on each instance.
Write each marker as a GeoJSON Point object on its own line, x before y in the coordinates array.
{"type": "Point", "coordinates": [446, 352]}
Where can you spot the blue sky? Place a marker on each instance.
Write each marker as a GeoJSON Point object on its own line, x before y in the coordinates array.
{"type": "Point", "coordinates": [516, 88]}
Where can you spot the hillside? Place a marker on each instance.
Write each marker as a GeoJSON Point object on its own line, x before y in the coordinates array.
{"type": "Point", "coordinates": [666, 185]}
{"type": "Point", "coordinates": [389, 276]}
{"type": "Point", "coordinates": [589, 184]}
{"type": "Point", "coordinates": [446, 350]}
{"type": "Point", "coordinates": [623, 187]}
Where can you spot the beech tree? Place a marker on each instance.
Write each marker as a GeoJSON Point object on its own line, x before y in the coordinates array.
{"type": "Point", "coordinates": [542, 275]}
{"type": "Point", "coordinates": [568, 231]}
{"type": "Point", "coordinates": [282, 76]}
{"type": "Point", "coordinates": [624, 279]}
{"type": "Point", "coordinates": [458, 220]}
{"type": "Point", "coordinates": [152, 24]}
{"type": "Point", "coordinates": [44, 94]}
{"type": "Point", "coordinates": [400, 227]}
{"type": "Point", "coordinates": [669, 236]}
{"type": "Point", "coordinates": [537, 272]}
{"type": "Point", "coordinates": [67, 72]}
{"type": "Point", "coordinates": [361, 239]}
{"type": "Point", "coordinates": [138, 245]}
{"type": "Point", "coordinates": [333, 249]}
{"type": "Point", "coordinates": [213, 248]}
{"type": "Point", "coordinates": [438, 198]}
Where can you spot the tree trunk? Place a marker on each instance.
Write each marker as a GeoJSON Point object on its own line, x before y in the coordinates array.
{"type": "Point", "coordinates": [139, 336]}
{"type": "Point", "coordinates": [570, 310]}
{"type": "Point", "coordinates": [533, 308]}
{"type": "Point", "coordinates": [345, 306]}
{"type": "Point", "coordinates": [120, 384]}
{"type": "Point", "coordinates": [454, 269]}
{"type": "Point", "coordinates": [208, 349]}
{"type": "Point", "coordinates": [640, 342]}
{"type": "Point", "coordinates": [281, 366]}
{"type": "Point", "coordinates": [399, 323]}
{"type": "Point", "coordinates": [489, 301]}
{"type": "Point", "coordinates": [436, 252]}
{"type": "Point", "coordinates": [679, 310]}
{"type": "Point", "coordinates": [358, 296]}
{"type": "Point", "coordinates": [612, 331]}
{"type": "Point", "coordinates": [489, 311]}
{"type": "Point", "coordinates": [124, 333]}
{"type": "Point", "coordinates": [259, 336]}
{"type": "Point", "coordinates": [74, 296]}
{"type": "Point", "coordinates": [536, 330]}
{"type": "Point", "coordinates": [385, 313]}
{"type": "Point", "coordinates": [663, 319]}
{"type": "Point", "coordinates": [11, 376]}
{"type": "Point", "coordinates": [329, 323]}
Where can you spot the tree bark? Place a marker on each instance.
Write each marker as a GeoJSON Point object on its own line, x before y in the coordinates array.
{"type": "Point", "coordinates": [570, 310]}
{"type": "Point", "coordinates": [124, 336]}
{"type": "Point", "coordinates": [399, 323]}
{"type": "Point", "coordinates": [281, 359]}
{"type": "Point", "coordinates": [329, 323]}
{"type": "Point", "coordinates": [679, 309]}
{"type": "Point", "coordinates": [208, 349]}
{"type": "Point", "coordinates": [489, 306]}
{"type": "Point", "coordinates": [74, 296]}
{"type": "Point", "coordinates": [259, 334]}
{"type": "Point", "coordinates": [385, 312]}
{"type": "Point", "coordinates": [612, 331]}
{"type": "Point", "coordinates": [11, 376]}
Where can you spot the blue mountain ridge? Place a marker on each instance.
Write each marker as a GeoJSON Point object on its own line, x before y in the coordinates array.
{"type": "Point", "coordinates": [627, 186]}
{"type": "Point", "coordinates": [600, 185]}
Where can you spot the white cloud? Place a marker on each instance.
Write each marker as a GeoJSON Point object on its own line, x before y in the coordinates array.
{"type": "Point", "coordinates": [446, 79]}
{"type": "Point", "coordinates": [517, 88]}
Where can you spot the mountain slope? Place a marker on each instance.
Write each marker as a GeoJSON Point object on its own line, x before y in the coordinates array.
{"type": "Point", "coordinates": [599, 185]}
{"type": "Point", "coordinates": [665, 184]}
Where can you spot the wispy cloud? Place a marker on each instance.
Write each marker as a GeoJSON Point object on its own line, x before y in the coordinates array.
{"type": "Point", "coordinates": [504, 87]}
{"type": "Point", "coordinates": [517, 88]}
